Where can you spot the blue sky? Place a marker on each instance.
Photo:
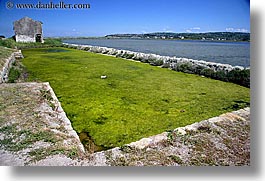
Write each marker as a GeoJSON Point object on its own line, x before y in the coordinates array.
{"type": "Point", "coordinates": [132, 16]}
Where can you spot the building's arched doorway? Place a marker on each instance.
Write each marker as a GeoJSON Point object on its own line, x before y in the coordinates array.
{"type": "Point", "coordinates": [38, 38]}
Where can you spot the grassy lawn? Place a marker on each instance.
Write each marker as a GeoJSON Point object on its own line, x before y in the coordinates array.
{"type": "Point", "coordinates": [136, 100]}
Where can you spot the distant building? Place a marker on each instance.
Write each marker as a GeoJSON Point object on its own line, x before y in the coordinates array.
{"type": "Point", "coordinates": [28, 30]}
{"type": "Point", "coordinates": [182, 37]}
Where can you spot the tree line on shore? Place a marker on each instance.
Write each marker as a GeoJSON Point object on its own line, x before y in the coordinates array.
{"type": "Point", "coordinates": [211, 36]}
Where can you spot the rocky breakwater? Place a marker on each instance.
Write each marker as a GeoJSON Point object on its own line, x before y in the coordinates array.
{"type": "Point", "coordinates": [224, 72]}
{"type": "Point", "coordinates": [4, 71]}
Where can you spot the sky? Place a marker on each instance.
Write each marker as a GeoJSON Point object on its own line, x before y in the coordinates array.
{"type": "Point", "coordinates": [130, 16]}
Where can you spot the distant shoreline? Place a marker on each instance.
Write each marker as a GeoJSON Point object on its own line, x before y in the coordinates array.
{"type": "Point", "coordinates": [207, 37]}
{"type": "Point", "coordinates": [198, 40]}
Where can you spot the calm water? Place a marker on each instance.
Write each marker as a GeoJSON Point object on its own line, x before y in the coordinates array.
{"type": "Point", "coordinates": [233, 53]}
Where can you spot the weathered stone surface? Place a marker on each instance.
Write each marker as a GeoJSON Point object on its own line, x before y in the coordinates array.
{"type": "Point", "coordinates": [24, 38]}
{"type": "Point", "coordinates": [28, 30]}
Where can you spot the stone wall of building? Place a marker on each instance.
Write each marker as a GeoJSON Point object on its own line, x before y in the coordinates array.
{"type": "Point", "coordinates": [25, 38]}
{"type": "Point", "coordinates": [27, 29]}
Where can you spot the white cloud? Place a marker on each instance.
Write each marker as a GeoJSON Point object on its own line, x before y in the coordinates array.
{"type": "Point", "coordinates": [229, 29]}
{"type": "Point", "coordinates": [193, 30]}
{"type": "Point", "coordinates": [243, 30]}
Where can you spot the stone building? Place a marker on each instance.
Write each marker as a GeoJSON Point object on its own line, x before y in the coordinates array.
{"type": "Point", "coordinates": [28, 30]}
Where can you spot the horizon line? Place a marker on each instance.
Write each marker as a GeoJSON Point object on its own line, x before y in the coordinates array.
{"type": "Point", "coordinates": [151, 33]}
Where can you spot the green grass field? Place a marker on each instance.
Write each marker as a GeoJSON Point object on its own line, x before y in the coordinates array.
{"type": "Point", "coordinates": [136, 100]}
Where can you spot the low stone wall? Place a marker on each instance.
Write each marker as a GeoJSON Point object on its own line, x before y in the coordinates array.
{"type": "Point", "coordinates": [8, 64]}
{"type": "Point", "coordinates": [62, 115]}
{"type": "Point", "coordinates": [157, 60]}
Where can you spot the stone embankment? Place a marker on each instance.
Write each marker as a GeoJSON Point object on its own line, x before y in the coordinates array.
{"type": "Point", "coordinates": [158, 60]}
{"type": "Point", "coordinates": [8, 64]}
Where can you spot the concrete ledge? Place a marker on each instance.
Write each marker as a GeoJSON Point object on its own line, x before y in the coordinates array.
{"type": "Point", "coordinates": [62, 115]}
